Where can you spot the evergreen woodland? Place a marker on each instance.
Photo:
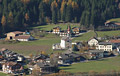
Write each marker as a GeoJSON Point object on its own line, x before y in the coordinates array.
{"type": "Point", "coordinates": [19, 14]}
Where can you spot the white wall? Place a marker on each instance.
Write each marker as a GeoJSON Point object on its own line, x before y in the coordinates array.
{"type": "Point", "coordinates": [62, 44]}
{"type": "Point", "coordinates": [92, 42]}
{"type": "Point", "coordinates": [104, 47]}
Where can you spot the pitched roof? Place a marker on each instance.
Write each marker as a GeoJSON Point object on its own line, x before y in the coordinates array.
{"type": "Point", "coordinates": [17, 32]}
{"type": "Point", "coordinates": [44, 64]}
{"type": "Point", "coordinates": [22, 37]}
{"type": "Point", "coordinates": [115, 41]}
{"type": "Point", "coordinates": [57, 27]}
{"type": "Point", "coordinates": [105, 43]}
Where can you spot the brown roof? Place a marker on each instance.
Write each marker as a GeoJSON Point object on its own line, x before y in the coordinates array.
{"type": "Point", "coordinates": [17, 32]}
{"type": "Point", "coordinates": [57, 27]}
{"type": "Point", "coordinates": [22, 37]}
{"type": "Point", "coordinates": [115, 41]}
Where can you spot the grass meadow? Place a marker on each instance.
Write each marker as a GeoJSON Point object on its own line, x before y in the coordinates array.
{"type": "Point", "coordinates": [109, 64]}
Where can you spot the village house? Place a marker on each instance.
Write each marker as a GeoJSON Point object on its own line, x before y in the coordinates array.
{"type": "Point", "coordinates": [65, 43]}
{"type": "Point", "coordinates": [93, 42]}
{"type": "Point", "coordinates": [96, 54]}
{"type": "Point", "coordinates": [67, 59]}
{"type": "Point", "coordinates": [67, 32]}
{"type": "Point", "coordinates": [63, 33]}
{"type": "Point", "coordinates": [115, 41]}
{"type": "Point", "coordinates": [105, 46]}
{"type": "Point", "coordinates": [45, 68]}
{"type": "Point", "coordinates": [12, 67]}
{"type": "Point", "coordinates": [64, 59]}
{"type": "Point", "coordinates": [76, 30]}
{"type": "Point", "coordinates": [24, 38]}
{"type": "Point", "coordinates": [40, 58]}
{"type": "Point", "coordinates": [12, 35]}
{"type": "Point", "coordinates": [11, 56]}
{"type": "Point", "coordinates": [20, 36]}
{"type": "Point", "coordinates": [56, 30]}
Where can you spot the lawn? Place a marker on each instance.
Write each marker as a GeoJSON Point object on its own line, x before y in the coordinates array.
{"type": "Point", "coordinates": [51, 26]}
{"type": "Point", "coordinates": [32, 47]}
{"type": "Point", "coordinates": [97, 66]}
{"type": "Point", "coordinates": [85, 36]}
{"type": "Point", "coordinates": [88, 35]}
{"type": "Point", "coordinates": [3, 74]}
{"type": "Point", "coordinates": [109, 33]}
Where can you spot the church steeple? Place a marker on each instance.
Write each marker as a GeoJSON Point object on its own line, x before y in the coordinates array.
{"type": "Point", "coordinates": [69, 31]}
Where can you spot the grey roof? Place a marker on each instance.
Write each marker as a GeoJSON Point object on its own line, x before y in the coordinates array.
{"type": "Point", "coordinates": [105, 43]}
{"type": "Point", "coordinates": [74, 55]}
{"type": "Point", "coordinates": [96, 51]}
{"type": "Point", "coordinates": [44, 64]}
{"type": "Point", "coordinates": [64, 56]}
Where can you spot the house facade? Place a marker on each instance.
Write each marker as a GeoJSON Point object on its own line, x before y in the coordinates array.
{"type": "Point", "coordinates": [12, 67]}
{"type": "Point", "coordinates": [57, 30]}
{"type": "Point", "coordinates": [18, 35]}
{"type": "Point", "coordinates": [65, 43]}
{"type": "Point", "coordinates": [105, 46]}
{"type": "Point", "coordinates": [12, 35]}
{"type": "Point", "coordinates": [45, 67]}
{"type": "Point", "coordinates": [96, 54]}
{"type": "Point", "coordinates": [93, 42]}
{"type": "Point", "coordinates": [76, 30]}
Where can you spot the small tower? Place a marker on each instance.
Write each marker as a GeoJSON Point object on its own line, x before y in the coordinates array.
{"type": "Point", "coordinates": [69, 31]}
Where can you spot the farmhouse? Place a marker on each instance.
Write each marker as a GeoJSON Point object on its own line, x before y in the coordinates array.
{"type": "Point", "coordinates": [76, 30]}
{"type": "Point", "coordinates": [93, 42]}
{"type": "Point", "coordinates": [105, 46]}
{"type": "Point", "coordinates": [12, 35]}
{"type": "Point", "coordinates": [18, 35]}
{"type": "Point", "coordinates": [57, 30]}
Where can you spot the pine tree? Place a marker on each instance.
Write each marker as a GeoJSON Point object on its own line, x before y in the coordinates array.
{"type": "Point", "coordinates": [69, 13]}
{"type": "Point", "coordinates": [54, 6]}
{"type": "Point", "coordinates": [3, 22]}
{"type": "Point", "coordinates": [11, 20]}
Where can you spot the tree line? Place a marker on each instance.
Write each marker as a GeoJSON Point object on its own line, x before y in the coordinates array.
{"type": "Point", "coordinates": [16, 14]}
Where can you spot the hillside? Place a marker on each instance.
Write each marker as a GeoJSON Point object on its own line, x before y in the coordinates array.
{"type": "Point", "coordinates": [20, 14]}
{"type": "Point", "coordinates": [105, 65]}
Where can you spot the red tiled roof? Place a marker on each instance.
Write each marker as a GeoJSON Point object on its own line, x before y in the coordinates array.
{"type": "Point", "coordinates": [22, 37]}
{"type": "Point", "coordinates": [115, 41]}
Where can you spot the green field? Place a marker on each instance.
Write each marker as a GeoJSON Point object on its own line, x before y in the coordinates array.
{"type": "Point", "coordinates": [3, 74]}
{"type": "Point", "coordinates": [32, 47]}
{"type": "Point", "coordinates": [87, 36]}
{"type": "Point", "coordinates": [114, 20]}
{"type": "Point", "coordinates": [109, 64]}
{"type": "Point", "coordinates": [51, 26]}
{"type": "Point", "coordinates": [108, 33]}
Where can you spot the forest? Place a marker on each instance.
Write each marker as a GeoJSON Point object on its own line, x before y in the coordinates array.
{"type": "Point", "coordinates": [19, 14]}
